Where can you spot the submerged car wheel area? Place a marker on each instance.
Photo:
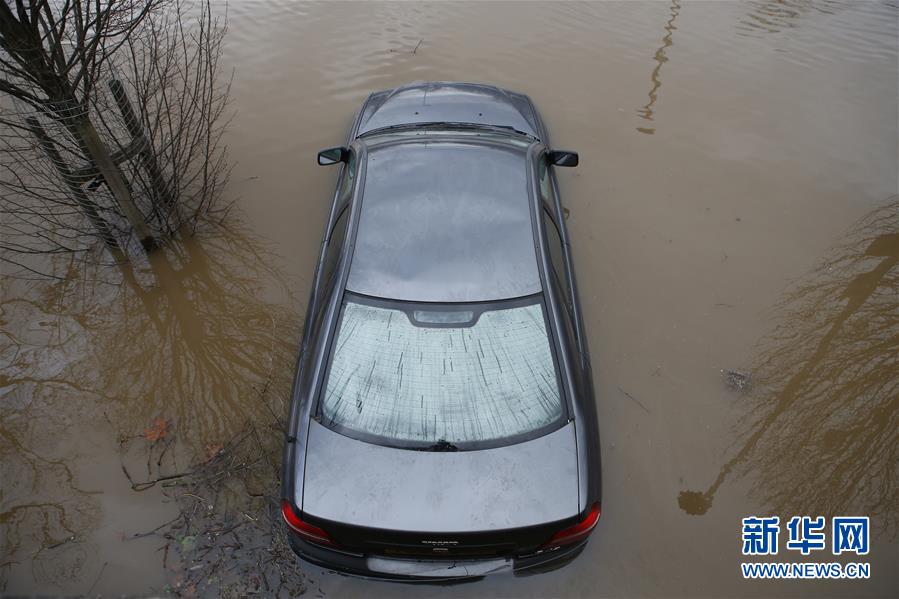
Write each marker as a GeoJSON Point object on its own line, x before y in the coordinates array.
{"type": "Point", "coordinates": [442, 423]}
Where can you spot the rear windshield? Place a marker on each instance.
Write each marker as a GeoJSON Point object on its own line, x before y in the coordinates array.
{"type": "Point", "coordinates": [424, 376]}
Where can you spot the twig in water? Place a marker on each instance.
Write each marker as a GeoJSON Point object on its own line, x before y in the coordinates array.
{"type": "Point", "coordinates": [195, 497]}
{"type": "Point", "coordinates": [128, 476]}
{"type": "Point", "coordinates": [140, 535]}
{"type": "Point", "coordinates": [637, 401]}
{"type": "Point", "coordinates": [61, 543]}
{"type": "Point", "coordinates": [150, 483]}
{"type": "Point", "coordinates": [96, 580]}
{"type": "Point", "coordinates": [165, 448]}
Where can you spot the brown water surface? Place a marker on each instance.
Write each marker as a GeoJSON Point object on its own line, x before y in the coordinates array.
{"type": "Point", "coordinates": [734, 209]}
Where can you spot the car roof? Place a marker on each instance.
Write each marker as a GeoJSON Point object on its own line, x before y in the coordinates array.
{"type": "Point", "coordinates": [445, 220]}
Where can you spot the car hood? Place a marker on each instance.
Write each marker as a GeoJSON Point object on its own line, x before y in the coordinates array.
{"type": "Point", "coordinates": [452, 102]}
{"type": "Point", "coordinates": [360, 484]}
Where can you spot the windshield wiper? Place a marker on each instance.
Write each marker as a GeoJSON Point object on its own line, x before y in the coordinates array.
{"type": "Point", "coordinates": [441, 445]}
{"type": "Point", "coordinates": [446, 125]}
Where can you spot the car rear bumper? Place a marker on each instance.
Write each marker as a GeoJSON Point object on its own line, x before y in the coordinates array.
{"type": "Point", "coordinates": [428, 570]}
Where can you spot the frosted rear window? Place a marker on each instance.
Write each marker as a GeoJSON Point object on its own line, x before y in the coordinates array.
{"type": "Point", "coordinates": [395, 380]}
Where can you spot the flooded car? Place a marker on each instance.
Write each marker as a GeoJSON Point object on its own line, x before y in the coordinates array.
{"type": "Point", "coordinates": [443, 423]}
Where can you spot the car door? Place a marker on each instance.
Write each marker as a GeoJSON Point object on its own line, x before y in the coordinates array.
{"type": "Point", "coordinates": [332, 249]}
{"type": "Point", "coordinates": [564, 286]}
{"type": "Point", "coordinates": [553, 223]}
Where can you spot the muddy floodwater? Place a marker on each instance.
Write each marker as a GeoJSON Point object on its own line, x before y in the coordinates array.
{"type": "Point", "coordinates": [735, 230]}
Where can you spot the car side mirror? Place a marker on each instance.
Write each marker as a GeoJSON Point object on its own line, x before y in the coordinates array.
{"type": "Point", "coordinates": [333, 155]}
{"type": "Point", "coordinates": [562, 158]}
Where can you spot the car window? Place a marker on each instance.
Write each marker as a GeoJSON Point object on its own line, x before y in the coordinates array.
{"type": "Point", "coordinates": [557, 259]}
{"type": "Point", "coordinates": [329, 265]}
{"type": "Point", "coordinates": [348, 177]}
{"type": "Point", "coordinates": [547, 194]}
{"type": "Point", "coordinates": [557, 256]}
{"type": "Point", "coordinates": [408, 377]}
{"type": "Point", "coordinates": [335, 243]}
{"type": "Point", "coordinates": [335, 237]}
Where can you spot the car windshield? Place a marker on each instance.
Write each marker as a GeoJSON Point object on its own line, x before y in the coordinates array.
{"type": "Point", "coordinates": [434, 377]}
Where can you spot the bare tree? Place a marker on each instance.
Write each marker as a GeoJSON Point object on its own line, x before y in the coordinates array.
{"type": "Point", "coordinates": [111, 124]}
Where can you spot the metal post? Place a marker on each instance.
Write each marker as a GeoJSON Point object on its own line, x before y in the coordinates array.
{"type": "Point", "coordinates": [87, 206]}
{"type": "Point", "coordinates": [148, 157]}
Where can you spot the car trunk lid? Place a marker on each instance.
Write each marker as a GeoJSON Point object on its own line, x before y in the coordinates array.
{"type": "Point", "coordinates": [489, 502]}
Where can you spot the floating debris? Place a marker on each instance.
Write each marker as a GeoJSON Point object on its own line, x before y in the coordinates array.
{"type": "Point", "coordinates": [157, 430]}
{"type": "Point", "coordinates": [738, 380]}
{"type": "Point", "coordinates": [635, 400]}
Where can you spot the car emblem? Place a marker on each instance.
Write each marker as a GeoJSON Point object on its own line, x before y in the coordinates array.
{"type": "Point", "coordinates": [441, 543]}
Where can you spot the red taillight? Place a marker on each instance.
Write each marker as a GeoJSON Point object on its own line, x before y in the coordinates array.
{"type": "Point", "coordinates": [309, 532]}
{"type": "Point", "coordinates": [578, 532]}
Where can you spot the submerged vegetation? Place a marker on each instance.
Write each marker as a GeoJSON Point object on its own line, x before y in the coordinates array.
{"type": "Point", "coordinates": [111, 122]}
{"type": "Point", "coordinates": [185, 366]}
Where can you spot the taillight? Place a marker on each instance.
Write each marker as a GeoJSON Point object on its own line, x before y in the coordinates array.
{"type": "Point", "coordinates": [308, 531]}
{"type": "Point", "coordinates": [578, 532]}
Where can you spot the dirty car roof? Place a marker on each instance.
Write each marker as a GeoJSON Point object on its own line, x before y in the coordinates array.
{"type": "Point", "coordinates": [445, 221]}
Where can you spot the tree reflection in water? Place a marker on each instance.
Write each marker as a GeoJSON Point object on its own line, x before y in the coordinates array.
{"type": "Point", "coordinates": [660, 58]}
{"type": "Point", "coordinates": [822, 436]}
{"type": "Point", "coordinates": [190, 337]}
{"type": "Point", "coordinates": [204, 335]}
